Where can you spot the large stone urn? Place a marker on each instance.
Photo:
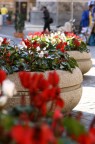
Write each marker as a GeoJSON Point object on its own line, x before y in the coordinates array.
{"type": "Point", "coordinates": [83, 59]}
{"type": "Point", "coordinates": [70, 85]}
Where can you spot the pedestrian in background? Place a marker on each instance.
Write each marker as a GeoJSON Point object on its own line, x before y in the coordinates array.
{"type": "Point", "coordinates": [4, 12]}
{"type": "Point", "coordinates": [46, 19]}
{"type": "Point", "coordinates": [86, 20]}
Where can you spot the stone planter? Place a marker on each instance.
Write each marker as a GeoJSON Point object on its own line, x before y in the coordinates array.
{"type": "Point", "coordinates": [70, 84]}
{"type": "Point", "coordinates": [83, 59]}
{"type": "Point", "coordinates": [19, 35]}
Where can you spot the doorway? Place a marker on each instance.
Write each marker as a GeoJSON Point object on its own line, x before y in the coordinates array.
{"type": "Point", "coordinates": [22, 8]}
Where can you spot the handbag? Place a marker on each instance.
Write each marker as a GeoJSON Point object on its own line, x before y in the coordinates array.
{"type": "Point", "coordinates": [51, 20]}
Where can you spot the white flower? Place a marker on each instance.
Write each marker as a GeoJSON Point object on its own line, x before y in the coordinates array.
{"type": "Point", "coordinates": [3, 100]}
{"type": "Point", "coordinates": [44, 48]}
{"type": "Point", "coordinates": [29, 37]}
{"type": "Point", "coordinates": [38, 48]}
{"type": "Point", "coordinates": [8, 88]}
{"type": "Point", "coordinates": [23, 44]}
{"type": "Point", "coordinates": [45, 52]}
{"type": "Point", "coordinates": [30, 52]}
{"type": "Point", "coordinates": [1, 40]}
{"type": "Point", "coordinates": [41, 54]}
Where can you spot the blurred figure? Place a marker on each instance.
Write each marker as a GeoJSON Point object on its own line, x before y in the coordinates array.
{"type": "Point", "coordinates": [86, 20]}
{"type": "Point", "coordinates": [4, 12]}
{"type": "Point", "coordinates": [91, 40]}
{"type": "Point", "coordinates": [30, 15]}
{"type": "Point", "coordinates": [46, 19]}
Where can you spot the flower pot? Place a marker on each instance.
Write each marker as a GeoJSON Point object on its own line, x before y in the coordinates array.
{"type": "Point", "coordinates": [70, 85]}
{"type": "Point", "coordinates": [9, 22]}
{"type": "Point", "coordinates": [83, 59]}
{"type": "Point", "coordinates": [19, 35]}
{"type": "Point", "coordinates": [71, 89]}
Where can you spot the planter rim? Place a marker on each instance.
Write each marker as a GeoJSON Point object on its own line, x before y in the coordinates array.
{"type": "Point", "coordinates": [66, 78]}
{"type": "Point", "coordinates": [79, 55]}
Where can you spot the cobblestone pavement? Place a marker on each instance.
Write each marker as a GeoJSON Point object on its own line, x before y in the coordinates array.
{"type": "Point", "coordinates": [87, 102]}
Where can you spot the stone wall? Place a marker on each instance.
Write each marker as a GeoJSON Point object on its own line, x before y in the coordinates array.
{"type": "Point", "coordinates": [8, 3]}
{"type": "Point", "coordinates": [61, 11]}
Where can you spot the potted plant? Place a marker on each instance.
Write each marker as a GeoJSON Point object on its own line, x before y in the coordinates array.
{"type": "Point", "coordinates": [39, 54]}
{"type": "Point", "coordinates": [78, 49]}
{"type": "Point", "coordinates": [9, 17]}
{"type": "Point", "coordinates": [19, 24]}
{"type": "Point", "coordinates": [36, 123]}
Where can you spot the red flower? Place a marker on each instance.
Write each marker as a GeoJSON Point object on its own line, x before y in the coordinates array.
{"type": "Point", "coordinates": [25, 79]}
{"type": "Point", "coordinates": [37, 34]}
{"type": "Point", "coordinates": [76, 43]}
{"type": "Point", "coordinates": [22, 134]}
{"type": "Point", "coordinates": [53, 78]}
{"type": "Point", "coordinates": [2, 76]}
{"type": "Point", "coordinates": [5, 41]}
{"type": "Point", "coordinates": [42, 90]}
{"type": "Point", "coordinates": [61, 46]}
{"type": "Point", "coordinates": [8, 54]}
{"type": "Point", "coordinates": [60, 102]}
{"type": "Point", "coordinates": [42, 135]}
{"type": "Point", "coordinates": [57, 114]}
{"type": "Point", "coordinates": [33, 135]}
{"type": "Point", "coordinates": [27, 43]}
{"type": "Point", "coordinates": [35, 44]}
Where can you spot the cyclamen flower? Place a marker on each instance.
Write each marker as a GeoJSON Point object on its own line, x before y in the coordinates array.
{"type": "Point", "coordinates": [33, 135]}
{"type": "Point", "coordinates": [41, 54]}
{"type": "Point", "coordinates": [1, 40]}
{"type": "Point", "coordinates": [38, 48]}
{"type": "Point", "coordinates": [25, 79]}
{"type": "Point", "coordinates": [61, 46]}
{"type": "Point", "coordinates": [5, 41]}
{"type": "Point", "coordinates": [8, 88]}
{"type": "Point", "coordinates": [23, 44]}
{"type": "Point", "coordinates": [2, 76]}
{"type": "Point", "coordinates": [76, 42]}
{"type": "Point", "coordinates": [3, 100]}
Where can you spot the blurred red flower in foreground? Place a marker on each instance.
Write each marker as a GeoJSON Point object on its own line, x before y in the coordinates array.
{"type": "Point", "coordinates": [2, 76]}
{"type": "Point", "coordinates": [42, 90]}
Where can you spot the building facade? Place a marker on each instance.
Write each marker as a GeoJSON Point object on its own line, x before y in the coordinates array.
{"type": "Point", "coordinates": [24, 6]}
{"type": "Point", "coordinates": [60, 10]}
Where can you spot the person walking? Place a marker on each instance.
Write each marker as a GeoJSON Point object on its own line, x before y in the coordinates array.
{"type": "Point", "coordinates": [4, 12]}
{"type": "Point", "coordinates": [86, 21]}
{"type": "Point", "coordinates": [46, 19]}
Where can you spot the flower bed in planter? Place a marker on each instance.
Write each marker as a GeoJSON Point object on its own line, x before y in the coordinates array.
{"type": "Point", "coordinates": [70, 85]}
{"type": "Point", "coordinates": [77, 49]}
{"type": "Point", "coordinates": [40, 54]}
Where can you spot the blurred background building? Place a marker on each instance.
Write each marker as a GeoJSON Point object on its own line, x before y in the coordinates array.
{"type": "Point", "coordinates": [60, 10]}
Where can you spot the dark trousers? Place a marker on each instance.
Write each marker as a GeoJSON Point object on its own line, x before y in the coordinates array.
{"type": "Point", "coordinates": [47, 26]}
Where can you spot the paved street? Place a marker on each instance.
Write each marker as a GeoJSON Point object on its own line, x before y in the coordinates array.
{"type": "Point", "coordinates": [87, 102]}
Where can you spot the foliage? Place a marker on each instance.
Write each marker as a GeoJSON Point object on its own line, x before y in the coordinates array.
{"type": "Point", "coordinates": [10, 14]}
{"type": "Point", "coordinates": [37, 123]}
{"type": "Point", "coordinates": [19, 22]}
{"type": "Point", "coordinates": [74, 42]}
{"type": "Point", "coordinates": [37, 53]}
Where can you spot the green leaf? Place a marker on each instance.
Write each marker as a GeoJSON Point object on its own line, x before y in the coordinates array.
{"type": "Point", "coordinates": [66, 140]}
{"type": "Point", "coordinates": [73, 126]}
